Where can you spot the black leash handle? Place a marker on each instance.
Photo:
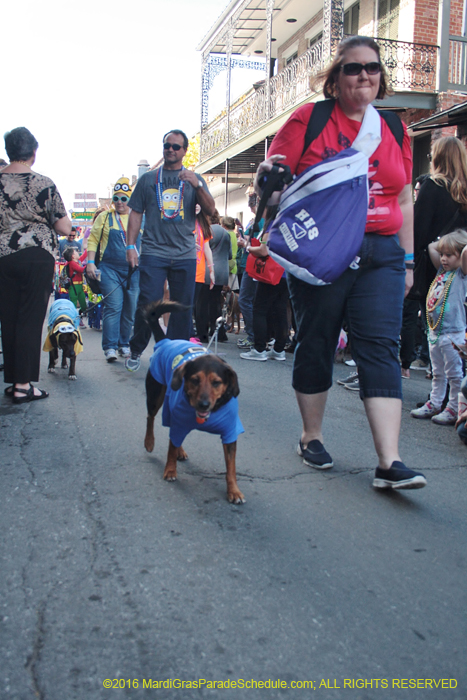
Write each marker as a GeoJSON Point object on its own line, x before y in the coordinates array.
{"type": "Point", "coordinates": [270, 182]}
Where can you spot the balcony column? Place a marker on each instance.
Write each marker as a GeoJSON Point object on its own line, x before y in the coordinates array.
{"type": "Point", "coordinates": [228, 56]}
{"type": "Point", "coordinates": [333, 27]}
{"type": "Point", "coordinates": [269, 13]}
{"type": "Point", "coordinates": [443, 42]}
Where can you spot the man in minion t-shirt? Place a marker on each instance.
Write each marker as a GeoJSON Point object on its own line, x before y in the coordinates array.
{"type": "Point", "coordinates": [167, 196]}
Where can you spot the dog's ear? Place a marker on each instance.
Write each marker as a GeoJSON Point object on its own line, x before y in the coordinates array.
{"type": "Point", "coordinates": [177, 377]}
{"type": "Point", "coordinates": [233, 388]}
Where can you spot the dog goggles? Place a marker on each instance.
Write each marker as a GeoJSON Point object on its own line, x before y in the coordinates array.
{"type": "Point", "coordinates": [372, 68]}
{"type": "Point", "coordinates": [65, 328]}
{"type": "Point", "coordinates": [123, 199]}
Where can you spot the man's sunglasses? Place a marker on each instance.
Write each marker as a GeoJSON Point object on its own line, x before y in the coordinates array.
{"type": "Point", "coordinates": [175, 146]}
{"type": "Point", "coordinates": [122, 199]}
{"type": "Point", "coordinates": [372, 68]}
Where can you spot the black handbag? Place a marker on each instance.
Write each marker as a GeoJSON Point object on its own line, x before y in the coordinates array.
{"type": "Point", "coordinates": [94, 284]}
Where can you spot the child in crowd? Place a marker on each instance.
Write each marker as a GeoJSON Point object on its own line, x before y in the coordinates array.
{"type": "Point", "coordinates": [75, 273]}
{"type": "Point", "coordinates": [445, 313]}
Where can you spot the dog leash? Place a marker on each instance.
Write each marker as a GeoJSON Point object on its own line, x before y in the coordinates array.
{"type": "Point", "coordinates": [120, 284]}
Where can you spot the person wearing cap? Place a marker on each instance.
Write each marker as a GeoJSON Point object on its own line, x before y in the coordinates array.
{"type": "Point", "coordinates": [109, 233]}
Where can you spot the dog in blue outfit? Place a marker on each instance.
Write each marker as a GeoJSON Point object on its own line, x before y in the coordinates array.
{"type": "Point", "coordinates": [196, 391]}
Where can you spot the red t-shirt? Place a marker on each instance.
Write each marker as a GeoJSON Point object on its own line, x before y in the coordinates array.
{"type": "Point", "coordinates": [390, 166]}
{"type": "Point", "coordinates": [77, 269]}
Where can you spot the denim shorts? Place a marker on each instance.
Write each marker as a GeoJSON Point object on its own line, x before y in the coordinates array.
{"type": "Point", "coordinates": [370, 298]}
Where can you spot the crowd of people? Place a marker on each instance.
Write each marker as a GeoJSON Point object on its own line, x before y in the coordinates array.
{"type": "Point", "coordinates": [164, 236]}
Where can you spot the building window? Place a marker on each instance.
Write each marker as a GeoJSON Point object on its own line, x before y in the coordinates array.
{"type": "Point", "coordinates": [388, 19]}
{"type": "Point", "coordinates": [315, 40]}
{"type": "Point", "coordinates": [351, 19]}
{"type": "Point", "coordinates": [291, 58]}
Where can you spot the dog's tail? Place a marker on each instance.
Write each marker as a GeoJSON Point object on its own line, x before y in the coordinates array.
{"type": "Point", "coordinates": [154, 311]}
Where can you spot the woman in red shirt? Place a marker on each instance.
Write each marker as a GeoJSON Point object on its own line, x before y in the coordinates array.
{"type": "Point", "coordinates": [370, 296]}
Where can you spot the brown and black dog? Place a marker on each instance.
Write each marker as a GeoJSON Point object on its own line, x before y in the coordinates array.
{"type": "Point", "coordinates": [199, 389]}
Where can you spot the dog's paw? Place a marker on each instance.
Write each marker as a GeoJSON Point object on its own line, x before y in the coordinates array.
{"type": "Point", "coordinates": [72, 377]}
{"type": "Point", "coordinates": [65, 366]}
{"type": "Point", "coordinates": [149, 443]}
{"type": "Point", "coordinates": [181, 455]}
{"type": "Point", "coordinates": [236, 497]}
{"type": "Point", "coordinates": [170, 473]}
{"type": "Point", "coordinates": [51, 370]}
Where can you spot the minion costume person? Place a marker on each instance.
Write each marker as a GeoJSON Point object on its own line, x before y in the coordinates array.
{"type": "Point", "coordinates": [109, 234]}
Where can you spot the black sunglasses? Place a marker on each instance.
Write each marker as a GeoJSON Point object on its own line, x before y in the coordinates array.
{"type": "Point", "coordinates": [123, 199]}
{"type": "Point", "coordinates": [372, 68]}
{"type": "Point", "coordinates": [175, 146]}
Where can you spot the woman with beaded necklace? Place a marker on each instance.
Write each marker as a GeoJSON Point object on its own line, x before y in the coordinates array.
{"type": "Point", "coordinates": [32, 213]}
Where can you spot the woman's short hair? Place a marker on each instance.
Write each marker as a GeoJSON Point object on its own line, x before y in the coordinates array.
{"type": "Point", "coordinates": [228, 222]}
{"type": "Point", "coordinates": [329, 75]}
{"type": "Point", "coordinates": [215, 218]}
{"type": "Point", "coordinates": [20, 144]}
{"type": "Point", "coordinates": [452, 243]}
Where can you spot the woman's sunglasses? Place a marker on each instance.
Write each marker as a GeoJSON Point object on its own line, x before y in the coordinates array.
{"type": "Point", "coordinates": [175, 146]}
{"type": "Point", "coordinates": [372, 68]}
{"type": "Point", "coordinates": [122, 199]}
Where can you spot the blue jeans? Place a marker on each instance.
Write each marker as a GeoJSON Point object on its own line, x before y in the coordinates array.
{"type": "Point", "coordinates": [371, 298]}
{"type": "Point", "coordinates": [246, 300]}
{"type": "Point", "coordinates": [181, 276]}
{"type": "Point", "coordinates": [119, 307]}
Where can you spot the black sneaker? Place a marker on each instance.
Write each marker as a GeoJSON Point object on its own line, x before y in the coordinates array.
{"type": "Point", "coordinates": [398, 477]}
{"type": "Point", "coordinates": [348, 380]}
{"type": "Point", "coordinates": [314, 455]}
{"type": "Point", "coordinates": [353, 385]}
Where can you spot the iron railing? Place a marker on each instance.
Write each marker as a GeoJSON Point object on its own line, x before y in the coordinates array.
{"type": "Point", "coordinates": [409, 67]}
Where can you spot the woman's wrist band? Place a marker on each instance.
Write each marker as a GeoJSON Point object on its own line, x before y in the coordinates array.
{"type": "Point", "coordinates": [131, 247]}
{"type": "Point", "coordinates": [408, 257]}
{"type": "Point", "coordinates": [409, 265]}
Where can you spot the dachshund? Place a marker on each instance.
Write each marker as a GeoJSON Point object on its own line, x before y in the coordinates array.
{"type": "Point", "coordinates": [63, 334]}
{"type": "Point", "coordinates": [196, 391]}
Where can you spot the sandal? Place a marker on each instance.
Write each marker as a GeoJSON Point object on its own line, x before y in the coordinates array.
{"type": "Point", "coordinates": [29, 395]}
{"type": "Point", "coordinates": [9, 391]}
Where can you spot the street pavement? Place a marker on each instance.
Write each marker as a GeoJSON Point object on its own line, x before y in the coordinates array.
{"type": "Point", "coordinates": [108, 573]}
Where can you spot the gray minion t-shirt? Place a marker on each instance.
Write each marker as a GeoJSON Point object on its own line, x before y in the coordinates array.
{"type": "Point", "coordinates": [164, 237]}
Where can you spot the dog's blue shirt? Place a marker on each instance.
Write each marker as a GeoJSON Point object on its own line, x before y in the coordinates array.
{"type": "Point", "coordinates": [177, 414]}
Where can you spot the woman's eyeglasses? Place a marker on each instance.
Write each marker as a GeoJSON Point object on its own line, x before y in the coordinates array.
{"type": "Point", "coordinates": [122, 199]}
{"type": "Point", "coordinates": [372, 68]}
{"type": "Point", "coordinates": [175, 146]}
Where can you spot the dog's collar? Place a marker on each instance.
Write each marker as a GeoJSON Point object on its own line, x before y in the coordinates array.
{"type": "Point", "coordinates": [191, 353]}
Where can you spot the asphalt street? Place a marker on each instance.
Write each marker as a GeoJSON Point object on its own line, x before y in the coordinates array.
{"type": "Point", "coordinates": [109, 574]}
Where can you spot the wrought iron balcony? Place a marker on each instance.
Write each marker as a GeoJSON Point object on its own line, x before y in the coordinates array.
{"type": "Point", "coordinates": [409, 66]}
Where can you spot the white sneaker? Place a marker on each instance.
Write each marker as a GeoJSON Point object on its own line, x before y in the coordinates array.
{"type": "Point", "coordinates": [254, 355]}
{"type": "Point", "coordinates": [419, 364]}
{"type": "Point", "coordinates": [124, 351]}
{"type": "Point", "coordinates": [447, 417]}
{"type": "Point", "coordinates": [110, 355]}
{"type": "Point", "coordinates": [273, 355]}
{"type": "Point", "coordinates": [425, 411]}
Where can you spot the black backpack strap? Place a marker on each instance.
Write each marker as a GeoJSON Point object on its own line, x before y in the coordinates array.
{"type": "Point", "coordinates": [319, 117]}
{"type": "Point", "coordinates": [394, 123]}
